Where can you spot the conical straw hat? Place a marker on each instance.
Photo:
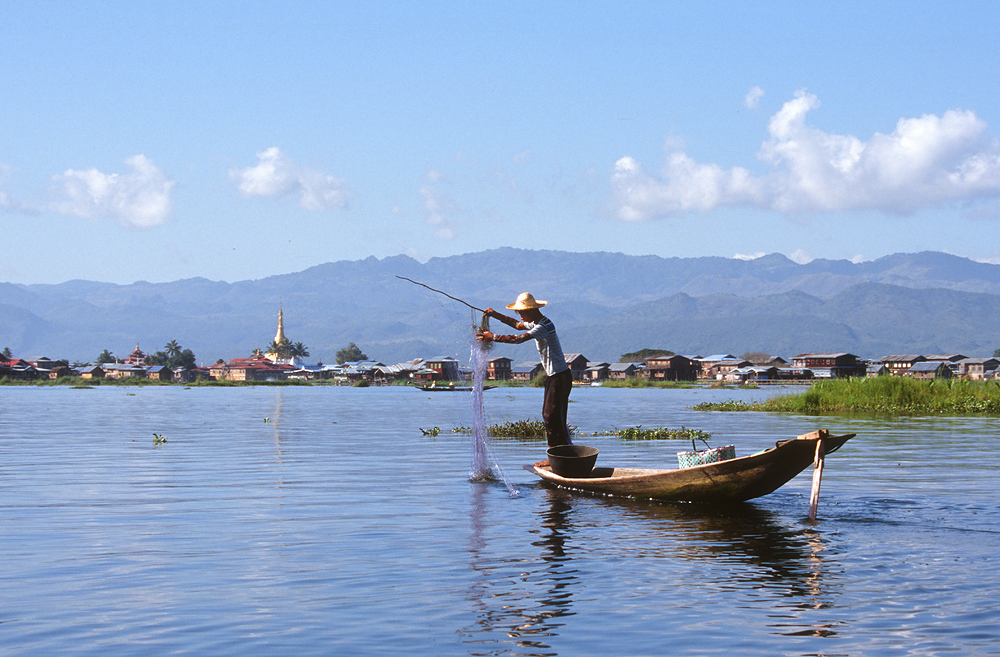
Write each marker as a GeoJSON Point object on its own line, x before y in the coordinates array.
{"type": "Point", "coordinates": [525, 302]}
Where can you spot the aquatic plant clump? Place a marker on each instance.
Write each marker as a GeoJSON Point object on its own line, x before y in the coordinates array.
{"type": "Point", "coordinates": [887, 395]}
{"type": "Point", "coordinates": [728, 405]}
{"type": "Point", "coordinates": [657, 433]}
{"type": "Point", "coordinates": [639, 382]}
{"type": "Point", "coordinates": [521, 429]}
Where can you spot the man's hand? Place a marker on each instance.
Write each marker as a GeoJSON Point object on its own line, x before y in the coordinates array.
{"type": "Point", "coordinates": [484, 336]}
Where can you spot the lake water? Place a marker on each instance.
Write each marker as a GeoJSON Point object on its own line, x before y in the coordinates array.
{"type": "Point", "coordinates": [322, 521]}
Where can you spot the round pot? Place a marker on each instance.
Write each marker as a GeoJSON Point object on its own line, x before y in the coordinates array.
{"type": "Point", "coordinates": [572, 461]}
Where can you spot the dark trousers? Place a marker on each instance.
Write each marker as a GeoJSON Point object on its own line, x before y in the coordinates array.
{"type": "Point", "coordinates": [554, 407]}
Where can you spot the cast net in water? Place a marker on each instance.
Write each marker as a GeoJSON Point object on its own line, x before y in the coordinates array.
{"type": "Point", "coordinates": [481, 470]}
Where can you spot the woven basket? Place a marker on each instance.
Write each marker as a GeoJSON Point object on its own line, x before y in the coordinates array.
{"type": "Point", "coordinates": [713, 455]}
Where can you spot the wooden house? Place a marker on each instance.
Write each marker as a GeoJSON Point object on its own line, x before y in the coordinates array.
{"type": "Point", "coordinates": [875, 370]}
{"type": "Point", "coordinates": [976, 369]}
{"type": "Point", "coordinates": [706, 363]}
{"type": "Point", "coordinates": [623, 371]}
{"type": "Point", "coordinates": [426, 375]}
{"type": "Point", "coordinates": [597, 372]}
{"type": "Point", "coordinates": [61, 371]}
{"type": "Point", "coordinates": [898, 364]}
{"type": "Point", "coordinates": [445, 366]}
{"type": "Point", "coordinates": [123, 371]}
{"type": "Point", "coordinates": [18, 368]}
{"type": "Point", "coordinates": [578, 365]}
{"type": "Point", "coordinates": [752, 374]}
{"type": "Point", "coordinates": [945, 358]}
{"type": "Point", "coordinates": [254, 368]}
{"type": "Point", "coordinates": [672, 368]}
{"type": "Point", "coordinates": [92, 372]}
{"type": "Point", "coordinates": [832, 365]}
{"type": "Point", "coordinates": [48, 364]}
{"type": "Point", "coordinates": [498, 368]}
{"type": "Point", "coordinates": [929, 369]}
{"type": "Point", "coordinates": [793, 374]}
{"type": "Point", "coordinates": [526, 372]}
{"type": "Point", "coordinates": [160, 373]}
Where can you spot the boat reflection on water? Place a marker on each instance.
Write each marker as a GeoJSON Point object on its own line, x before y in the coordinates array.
{"type": "Point", "coordinates": [695, 554]}
{"type": "Point", "coordinates": [745, 547]}
{"type": "Point", "coordinates": [771, 554]}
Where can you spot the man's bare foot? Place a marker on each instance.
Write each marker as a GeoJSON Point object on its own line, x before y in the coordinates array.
{"type": "Point", "coordinates": [542, 464]}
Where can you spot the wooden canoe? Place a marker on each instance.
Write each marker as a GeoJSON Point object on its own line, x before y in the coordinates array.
{"type": "Point", "coordinates": [735, 480]}
{"type": "Point", "coordinates": [450, 388]}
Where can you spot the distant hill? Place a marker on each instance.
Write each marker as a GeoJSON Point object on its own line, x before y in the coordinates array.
{"type": "Point", "coordinates": [605, 304]}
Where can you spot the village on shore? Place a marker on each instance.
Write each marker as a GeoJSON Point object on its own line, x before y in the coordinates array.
{"type": "Point", "coordinates": [281, 363]}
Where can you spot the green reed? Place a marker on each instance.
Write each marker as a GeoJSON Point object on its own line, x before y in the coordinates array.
{"type": "Point", "coordinates": [887, 395]}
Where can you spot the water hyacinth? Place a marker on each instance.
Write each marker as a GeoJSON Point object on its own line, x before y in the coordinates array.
{"type": "Point", "coordinates": [522, 429]}
{"type": "Point", "coordinates": [657, 433]}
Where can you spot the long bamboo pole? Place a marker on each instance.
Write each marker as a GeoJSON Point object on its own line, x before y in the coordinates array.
{"type": "Point", "coordinates": [440, 292]}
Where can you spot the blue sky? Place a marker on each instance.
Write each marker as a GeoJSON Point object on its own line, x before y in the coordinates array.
{"type": "Point", "coordinates": [234, 141]}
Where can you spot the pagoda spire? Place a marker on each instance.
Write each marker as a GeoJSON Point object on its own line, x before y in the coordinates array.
{"type": "Point", "coordinates": [279, 337]}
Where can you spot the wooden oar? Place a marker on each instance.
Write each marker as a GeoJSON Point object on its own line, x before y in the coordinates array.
{"type": "Point", "coordinates": [817, 477]}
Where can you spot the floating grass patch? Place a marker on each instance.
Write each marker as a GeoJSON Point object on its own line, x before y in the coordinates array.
{"type": "Point", "coordinates": [886, 395]}
{"type": "Point", "coordinates": [728, 405]}
{"type": "Point", "coordinates": [656, 433]}
{"type": "Point", "coordinates": [521, 429]}
{"type": "Point", "coordinates": [134, 382]}
{"type": "Point", "coordinates": [636, 382]}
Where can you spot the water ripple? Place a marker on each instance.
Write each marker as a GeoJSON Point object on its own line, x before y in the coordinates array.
{"type": "Point", "coordinates": [321, 521]}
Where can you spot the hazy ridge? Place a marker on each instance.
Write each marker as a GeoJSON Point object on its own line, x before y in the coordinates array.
{"type": "Point", "coordinates": [604, 304]}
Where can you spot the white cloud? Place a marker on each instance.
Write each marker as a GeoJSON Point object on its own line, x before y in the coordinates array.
{"type": "Point", "coordinates": [5, 202]}
{"type": "Point", "coordinates": [438, 208]}
{"type": "Point", "coordinates": [140, 199]}
{"type": "Point", "coordinates": [859, 258]}
{"type": "Point", "coordinates": [275, 175]}
{"type": "Point", "coordinates": [749, 256]}
{"type": "Point", "coordinates": [684, 186]}
{"type": "Point", "coordinates": [432, 205]}
{"type": "Point", "coordinates": [753, 97]}
{"type": "Point", "coordinates": [801, 257]}
{"type": "Point", "coordinates": [925, 162]}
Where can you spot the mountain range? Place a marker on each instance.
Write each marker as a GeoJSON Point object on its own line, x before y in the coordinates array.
{"type": "Point", "coordinates": [604, 304]}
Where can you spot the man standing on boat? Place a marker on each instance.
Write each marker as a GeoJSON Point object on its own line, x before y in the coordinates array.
{"type": "Point", "coordinates": [559, 379]}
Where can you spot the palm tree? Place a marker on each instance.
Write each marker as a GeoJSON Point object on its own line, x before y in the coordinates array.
{"type": "Point", "coordinates": [299, 350]}
{"type": "Point", "coordinates": [280, 350]}
{"type": "Point", "coordinates": [172, 349]}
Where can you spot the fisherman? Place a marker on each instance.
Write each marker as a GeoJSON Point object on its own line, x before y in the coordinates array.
{"type": "Point", "coordinates": [560, 378]}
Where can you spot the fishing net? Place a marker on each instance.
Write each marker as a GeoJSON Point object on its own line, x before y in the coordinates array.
{"type": "Point", "coordinates": [481, 470]}
{"type": "Point", "coordinates": [480, 360]}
